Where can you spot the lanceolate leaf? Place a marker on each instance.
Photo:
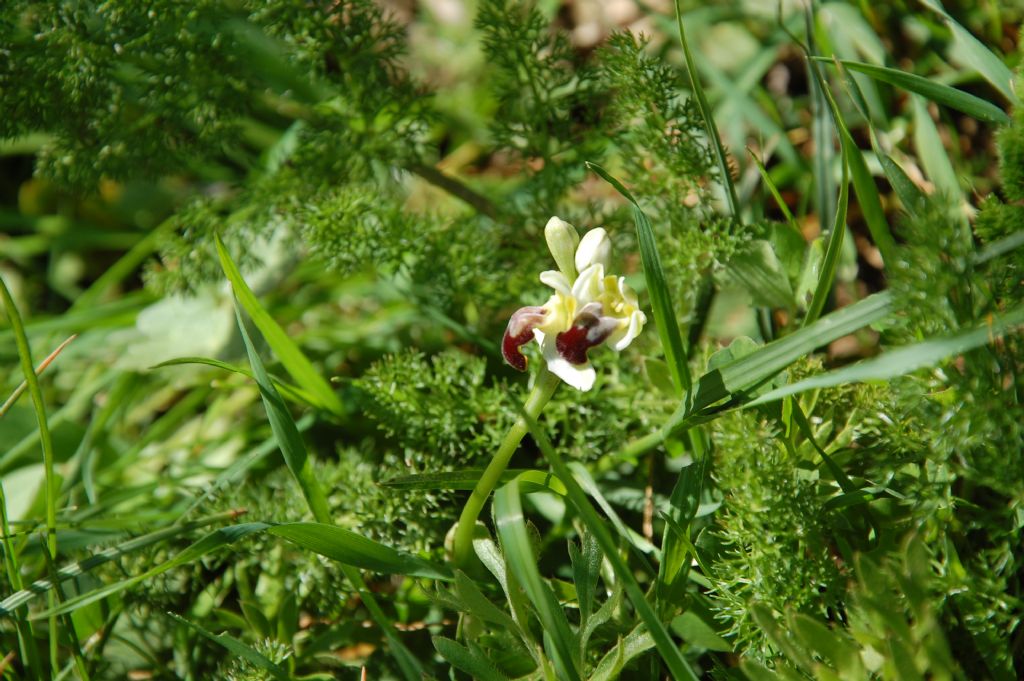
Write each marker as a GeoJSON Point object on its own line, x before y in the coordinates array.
{"type": "Point", "coordinates": [903, 360]}
{"type": "Point", "coordinates": [657, 288]}
{"type": "Point", "coordinates": [236, 647]}
{"type": "Point", "coordinates": [930, 89]}
{"type": "Point", "coordinates": [296, 363]}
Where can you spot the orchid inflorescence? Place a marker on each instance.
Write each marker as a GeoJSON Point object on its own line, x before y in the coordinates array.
{"type": "Point", "coordinates": [588, 308]}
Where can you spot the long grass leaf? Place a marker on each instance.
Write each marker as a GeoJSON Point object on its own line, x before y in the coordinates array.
{"type": "Point", "coordinates": [288, 438]}
{"type": "Point", "coordinates": [290, 392]}
{"type": "Point", "coordinates": [50, 478]}
{"type": "Point", "coordinates": [518, 552]}
{"type": "Point", "coordinates": [737, 378]}
{"type": "Point", "coordinates": [933, 154]}
{"type": "Point", "coordinates": [709, 121]}
{"type": "Point", "coordinates": [296, 363]}
{"type": "Point", "coordinates": [26, 635]}
{"type": "Point", "coordinates": [931, 89]}
{"type": "Point", "coordinates": [978, 56]}
{"type": "Point", "coordinates": [657, 287]}
{"type": "Point", "coordinates": [529, 480]}
{"type": "Point", "coordinates": [80, 567]}
{"type": "Point", "coordinates": [211, 542]}
{"type": "Point", "coordinates": [903, 360]}
{"type": "Point", "coordinates": [20, 390]}
{"type": "Point", "coordinates": [472, 662]}
{"type": "Point", "coordinates": [677, 665]}
{"type": "Point", "coordinates": [296, 458]}
{"type": "Point", "coordinates": [236, 647]}
{"type": "Point", "coordinates": [351, 548]}
{"type": "Point", "coordinates": [833, 250]}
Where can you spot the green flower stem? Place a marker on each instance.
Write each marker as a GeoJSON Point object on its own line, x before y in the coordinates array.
{"type": "Point", "coordinates": [542, 391]}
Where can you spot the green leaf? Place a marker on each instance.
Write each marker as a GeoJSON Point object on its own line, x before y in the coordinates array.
{"type": "Point", "coordinates": [480, 606]}
{"type": "Point", "coordinates": [586, 570]}
{"type": "Point", "coordinates": [351, 548]}
{"type": "Point", "coordinates": [285, 431]}
{"type": "Point", "coordinates": [903, 360]}
{"type": "Point", "coordinates": [657, 287]}
{"type": "Point", "coordinates": [211, 542]}
{"type": "Point", "coordinates": [677, 665]}
{"type": "Point", "coordinates": [827, 276]}
{"type": "Point", "coordinates": [296, 363]}
{"type": "Point", "coordinates": [472, 662]}
{"type": "Point", "coordinates": [977, 56]}
{"type": "Point", "coordinates": [233, 645]}
{"type": "Point", "coordinates": [910, 194]}
{"type": "Point", "coordinates": [709, 120]}
{"type": "Point", "coordinates": [518, 552]}
{"type": "Point", "coordinates": [289, 391]}
{"type": "Point", "coordinates": [634, 643]}
{"type": "Point", "coordinates": [933, 154]}
{"type": "Point", "coordinates": [931, 89]}
{"type": "Point", "coordinates": [830, 645]}
{"type": "Point", "coordinates": [739, 377]}
{"type": "Point", "coordinates": [694, 630]}
{"type": "Point", "coordinates": [757, 269]}
{"type": "Point", "coordinates": [80, 567]}
{"type": "Point", "coordinates": [529, 480]}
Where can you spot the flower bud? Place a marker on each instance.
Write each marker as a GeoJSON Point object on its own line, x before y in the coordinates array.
{"type": "Point", "coordinates": [562, 241]}
{"type": "Point", "coordinates": [595, 247]}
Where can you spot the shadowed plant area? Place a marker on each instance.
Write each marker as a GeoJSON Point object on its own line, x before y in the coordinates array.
{"type": "Point", "coordinates": [497, 339]}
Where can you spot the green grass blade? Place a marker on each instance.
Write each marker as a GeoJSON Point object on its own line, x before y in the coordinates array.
{"type": "Point", "coordinates": [832, 252]}
{"type": "Point", "coordinates": [50, 484]}
{"type": "Point", "coordinates": [709, 121]}
{"type": "Point", "coordinates": [19, 391]}
{"type": "Point", "coordinates": [296, 458]}
{"type": "Point", "coordinates": [287, 434]}
{"type": "Point", "coordinates": [26, 635]}
{"type": "Point", "coordinates": [766, 178]}
{"type": "Point", "coordinates": [351, 548]}
{"type": "Point", "coordinates": [903, 360]}
{"type": "Point", "coordinates": [472, 662]}
{"type": "Point", "coordinates": [910, 194]}
{"type": "Point", "coordinates": [515, 543]}
{"type": "Point", "coordinates": [740, 376]}
{"type": "Point", "coordinates": [933, 154]}
{"type": "Point", "coordinates": [72, 570]}
{"type": "Point", "coordinates": [657, 287]}
{"type": "Point", "coordinates": [211, 542]}
{"type": "Point", "coordinates": [529, 480]}
{"type": "Point", "coordinates": [296, 363]}
{"type": "Point", "coordinates": [290, 392]}
{"type": "Point", "coordinates": [979, 57]}
{"type": "Point", "coordinates": [236, 647]}
{"type": "Point", "coordinates": [677, 665]}
{"type": "Point", "coordinates": [930, 89]}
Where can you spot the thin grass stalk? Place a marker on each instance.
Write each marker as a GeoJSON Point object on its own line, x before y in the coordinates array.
{"type": "Point", "coordinates": [26, 635]}
{"type": "Point", "coordinates": [27, 367]}
{"type": "Point", "coordinates": [709, 121]}
{"type": "Point", "coordinates": [543, 389]}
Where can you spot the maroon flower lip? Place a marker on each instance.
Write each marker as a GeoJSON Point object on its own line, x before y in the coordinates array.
{"type": "Point", "coordinates": [589, 329]}
{"type": "Point", "coordinates": [519, 332]}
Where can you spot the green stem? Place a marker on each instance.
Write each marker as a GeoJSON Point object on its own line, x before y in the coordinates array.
{"type": "Point", "coordinates": [542, 391]}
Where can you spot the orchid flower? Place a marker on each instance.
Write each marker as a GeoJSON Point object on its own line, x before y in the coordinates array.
{"type": "Point", "coordinates": [588, 308]}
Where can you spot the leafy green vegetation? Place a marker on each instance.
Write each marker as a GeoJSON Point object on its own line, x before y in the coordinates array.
{"type": "Point", "coordinates": [269, 250]}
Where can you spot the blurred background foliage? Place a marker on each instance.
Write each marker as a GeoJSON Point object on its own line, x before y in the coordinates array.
{"type": "Point", "coordinates": [382, 173]}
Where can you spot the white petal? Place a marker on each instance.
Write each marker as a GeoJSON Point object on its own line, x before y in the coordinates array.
{"type": "Point", "coordinates": [618, 342]}
{"type": "Point", "coordinates": [557, 281]}
{"type": "Point", "coordinates": [595, 247]}
{"type": "Point", "coordinates": [587, 286]}
{"type": "Point", "coordinates": [579, 376]}
{"type": "Point", "coordinates": [562, 241]}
